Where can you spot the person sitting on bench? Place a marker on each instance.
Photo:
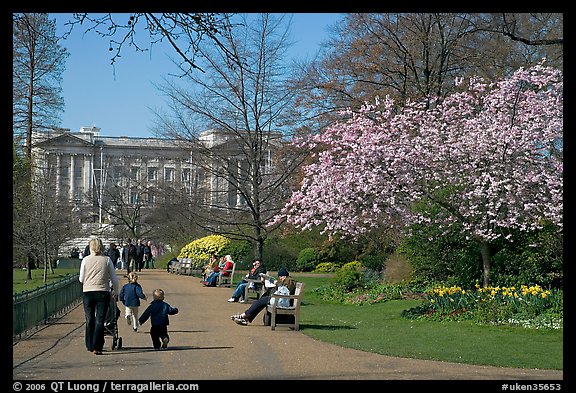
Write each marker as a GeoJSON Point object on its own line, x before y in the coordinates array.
{"type": "Point", "coordinates": [257, 268]}
{"type": "Point", "coordinates": [285, 286]}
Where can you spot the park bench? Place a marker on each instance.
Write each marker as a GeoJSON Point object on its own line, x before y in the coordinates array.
{"type": "Point", "coordinates": [175, 266]}
{"type": "Point", "coordinates": [227, 281]}
{"type": "Point", "coordinates": [294, 309]}
{"type": "Point", "coordinates": [252, 286]}
{"type": "Point", "coordinates": [185, 266]}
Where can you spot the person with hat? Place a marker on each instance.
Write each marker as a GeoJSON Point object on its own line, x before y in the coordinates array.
{"type": "Point", "coordinates": [285, 285]}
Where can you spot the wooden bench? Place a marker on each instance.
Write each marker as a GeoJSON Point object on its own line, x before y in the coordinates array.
{"type": "Point", "coordinates": [259, 290]}
{"type": "Point", "coordinates": [228, 280]}
{"type": "Point", "coordinates": [274, 310]}
{"type": "Point", "coordinates": [184, 266]}
{"type": "Point", "coordinates": [175, 266]}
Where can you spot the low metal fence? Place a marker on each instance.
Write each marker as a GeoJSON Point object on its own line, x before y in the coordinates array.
{"type": "Point", "coordinates": [31, 309]}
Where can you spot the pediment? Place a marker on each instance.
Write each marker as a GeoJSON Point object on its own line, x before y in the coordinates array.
{"type": "Point", "coordinates": [64, 140]}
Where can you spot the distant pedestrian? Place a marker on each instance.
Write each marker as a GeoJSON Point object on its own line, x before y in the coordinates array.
{"type": "Point", "coordinates": [114, 254]}
{"type": "Point", "coordinates": [148, 257]}
{"type": "Point", "coordinates": [158, 311]}
{"type": "Point", "coordinates": [170, 262]}
{"type": "Point", "coordinates": [129, 256]}
{"type": "Point", "coordinates": [139, 255]}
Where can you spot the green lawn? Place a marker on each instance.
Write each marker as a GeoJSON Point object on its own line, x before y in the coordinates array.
{"type": "Point", "coordinates": [20, 283]}
{"type": "Point", "coordinates": [379, 328]}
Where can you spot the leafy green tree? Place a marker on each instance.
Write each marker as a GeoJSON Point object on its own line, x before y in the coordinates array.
{"type": "Point", "coordinates": [532, 258]}
{"type": "Point", "coordinates": [21, 206]}
{"type": "Point", "coordinates": [448, 258]}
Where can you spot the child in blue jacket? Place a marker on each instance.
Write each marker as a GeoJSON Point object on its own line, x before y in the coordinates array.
{"type": "Point", "coordinates": [158, 311]}
{"type": "Point", "coordinates": [130, 296]}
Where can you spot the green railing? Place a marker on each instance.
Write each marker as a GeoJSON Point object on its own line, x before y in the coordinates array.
{"type": "Point", "coordinates": [33, 308]}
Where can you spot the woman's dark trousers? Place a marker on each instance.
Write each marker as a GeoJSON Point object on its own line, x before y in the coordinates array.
{"type": "Point", "coordinates": [96, 305]}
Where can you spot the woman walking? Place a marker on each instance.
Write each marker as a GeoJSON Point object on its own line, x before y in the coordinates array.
{"type": "Point", "coordinates": [99, 283]}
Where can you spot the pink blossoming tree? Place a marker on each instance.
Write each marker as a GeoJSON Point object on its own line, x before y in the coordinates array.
{"type": "Point", "coordinates": [488, 158]}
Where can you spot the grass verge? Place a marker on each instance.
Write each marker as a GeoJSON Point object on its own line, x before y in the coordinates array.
{"type": "Point", "coordinates": [20, 283]}
{"type": "Point", "coordinates": [379, 328]}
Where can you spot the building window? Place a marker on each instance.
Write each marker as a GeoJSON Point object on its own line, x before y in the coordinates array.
{"type": "Point", "coordinates": [152, 174]}
{"type": "Point", "coordinates": [134, 173]}
{"type": "Point", "coordinates": [168, 174]}
{"type": "Point", "coordinates": [77, 171]}
{"type": "Point", "coordinates": [185, 175]}
{"type": "Point", "coordinates": [133, 197]}
{"type": "Point", "coordinates": [116, 174]}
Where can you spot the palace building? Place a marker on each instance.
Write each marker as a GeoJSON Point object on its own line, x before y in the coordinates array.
{"type": "Point", "coordinates": [82, 166]}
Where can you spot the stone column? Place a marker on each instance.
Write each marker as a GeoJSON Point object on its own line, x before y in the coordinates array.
{"type": "Point", "coordinates": [58, 172]}
{"type": "Point", "coordinates": [87, 173]}
{"type": "Point", "coordinates": [239, 175]}
{"type": "Point", "coordinates": [213, 188]}
{"type": "Point", "coordinates": [71, 174]}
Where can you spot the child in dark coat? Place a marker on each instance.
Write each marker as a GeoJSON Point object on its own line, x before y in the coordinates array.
{"type": "Point", "coordinates": [130, 296]}
{"type": "Point", "coordinates": [158, 312]}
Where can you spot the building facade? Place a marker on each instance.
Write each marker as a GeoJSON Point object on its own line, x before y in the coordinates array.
{"type": "Point", "coordinates": [82, 167]}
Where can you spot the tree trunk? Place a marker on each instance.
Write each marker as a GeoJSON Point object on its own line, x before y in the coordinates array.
{"type": "Point", "coordinates": [30, 266]}
{"type": "Point", "coordinates": [46, 262]}
{"type": "Point", "coordinates": [259, 244]}
{"type": "Point", "coordinates": [485, 252]}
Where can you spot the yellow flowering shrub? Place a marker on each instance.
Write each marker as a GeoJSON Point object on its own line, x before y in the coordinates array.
{"type": "Point", "coordinates": [200, 250]}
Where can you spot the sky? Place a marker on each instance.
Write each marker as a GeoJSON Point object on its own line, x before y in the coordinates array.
{"type": "Point", "coordinates": [120, 100]}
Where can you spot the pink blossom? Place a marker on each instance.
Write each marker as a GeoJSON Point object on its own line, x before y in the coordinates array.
{"type": "Point", "coordinates": [482, 155]}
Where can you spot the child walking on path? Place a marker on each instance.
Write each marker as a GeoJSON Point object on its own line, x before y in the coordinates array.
{"type": "Point", "coordinates": [130, 296]}
{"type": "Point", "coordinates": [158, 311]}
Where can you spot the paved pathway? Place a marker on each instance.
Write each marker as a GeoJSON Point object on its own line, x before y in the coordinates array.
{"type": "Point", "coordinates": [206, 345]}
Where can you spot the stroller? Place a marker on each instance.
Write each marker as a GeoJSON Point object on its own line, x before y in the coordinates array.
{"type": "Point", "coordinates": [111, 324]}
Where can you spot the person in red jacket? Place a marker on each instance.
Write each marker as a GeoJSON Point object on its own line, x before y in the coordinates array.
{"type": "Point", "coordinates": [213, 278]}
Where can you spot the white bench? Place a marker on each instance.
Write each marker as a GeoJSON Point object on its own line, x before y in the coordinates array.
{"type": "Point", "coordinates": [294, 309]}
{"type": "Point", "coordinates": [184, 266]}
